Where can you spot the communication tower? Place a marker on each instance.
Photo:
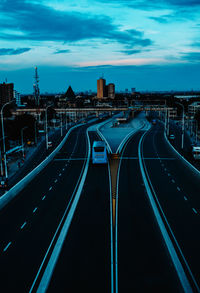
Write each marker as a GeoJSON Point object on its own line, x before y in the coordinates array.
{"type": "Point", "coordinates": [36, 88]}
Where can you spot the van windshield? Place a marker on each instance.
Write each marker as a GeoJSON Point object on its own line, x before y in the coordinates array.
{"type": "Point", "coordinates": [99, 149]}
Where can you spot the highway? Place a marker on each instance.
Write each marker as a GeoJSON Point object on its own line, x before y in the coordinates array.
{"type": "Point", "coordinates": [152, 245]}
{"type": "Point", "coordinates": [143, 262]}
{"type": "Point", "coordinates": [28, 223]}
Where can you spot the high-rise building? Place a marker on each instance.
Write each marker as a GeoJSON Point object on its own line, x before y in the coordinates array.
{"type": "Point", "coordinates": [6, 92]}
{"type": "Point", "coordinates": [111, 90]}
{"type": "Point", "coordinates": [17, 98]}
{"type": "Point", "coordinates": [101, 88]}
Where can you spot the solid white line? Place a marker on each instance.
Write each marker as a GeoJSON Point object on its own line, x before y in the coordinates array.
{"type": "Point", "coordinates": [111, 235]}
{"type": "Point", "coordinates": [194, 211]}
{"type": "Point", "coordinates": [185, 198]}
{"type": "Point", "coordinates": [46, 277]}
{"type": "Point", "coordinates": [178, 188]}
{"type": "Point", "coordinates": [23, 226]}
{"type": "Point", "coordinates": [187, 162]}
{"type": "Point", "coordinates": [35, 210]}
{"type": "Point", "coordinates": [44, 197]}
{"type": "Point", "coordinates": [7, 246]}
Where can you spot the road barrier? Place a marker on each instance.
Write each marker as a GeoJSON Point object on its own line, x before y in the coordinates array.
{"type": "Point", "coordinates": [12, 193]}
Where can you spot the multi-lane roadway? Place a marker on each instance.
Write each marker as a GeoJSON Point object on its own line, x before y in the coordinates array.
{"type": "Point", "coordinates": [140, 251]}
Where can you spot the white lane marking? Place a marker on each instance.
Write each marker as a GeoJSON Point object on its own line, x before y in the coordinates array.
{"type": "Point", "coordinates": [169, 174]}
{"type": "Point", "coordinates": [194, 211]}
{"type": "Point", "coordinates": [173, 181]}
{"type": "Point", "coordinates": [7, 246]}
{"type": "Point", "coordinates": [60, 174]}
{"type": "Point", "coordinates": [35, 210]}
{"type": "Point", "coordinates": [45, 279]}
{"type": "Point", "coordinates": [44, 197]}
{"type": "Point", "coordinates": [50, 188]}
{"type": "Point", "coordinates": [22, 226]}
{"type": "Point", "coordinates": [178, 188]}
{"type": "Point", "coordinates": [63, 169]}
{"type": "Point", "coordinates": [165, 169]}
{"type": "Point", "coordinates": [66, 165]}
{"type": "Point", "coordinates": [56, 180]}
{"type": "Point", "coordinates": [185, 198]}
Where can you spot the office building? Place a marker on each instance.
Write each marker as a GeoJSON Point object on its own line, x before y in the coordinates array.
{"type": "Point", "coordinates": [111, 90]}
{"type": "Point", "coordinates": [6, 92]}
{"type": "Point", "coordinates": [101, 88]}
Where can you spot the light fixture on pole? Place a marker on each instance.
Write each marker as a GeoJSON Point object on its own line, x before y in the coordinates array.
{"type": "Point", "coordinates": [22, 139]}
{"type": "Point", "coordinates": [183, 125]}
{"type": "Point", "coordinates": [3, 137]}
{"type": "Point", "coordinates": [46, 126]}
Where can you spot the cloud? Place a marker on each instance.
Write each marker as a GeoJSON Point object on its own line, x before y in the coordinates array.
{"type": "Point", "coordinates": [191, 57]}
{"type": "Point", "coordinates": [62, 51]}
{"type": "Point", "coordinates": [155, 4]}
{"type": "Point", "coordinates": [131, 52]}
{"type": "Point", "coordinates": [37, 22]}
{"type": "Point", "coordinates": [8, 51]}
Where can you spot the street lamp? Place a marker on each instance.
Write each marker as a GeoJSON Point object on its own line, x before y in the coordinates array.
{"type": "Point", "coordinates": [183, 125]}
{"type": "Point", "coordinates": [23, 139]}
{"type": "Point", "coordinates": [3, 136]}
{"type": "Point", "coordinates": [46, 128]}
{"type": "Point", "coordinates": [61, 130]}
{"type": "Point", "coordinates": [35, 132]}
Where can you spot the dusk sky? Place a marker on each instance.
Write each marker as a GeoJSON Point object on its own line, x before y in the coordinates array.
{"type": "Point", "coordinates": [150, 45]}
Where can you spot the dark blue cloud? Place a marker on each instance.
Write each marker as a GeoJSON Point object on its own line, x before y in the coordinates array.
{"type": "Point", "coordinates": [62, 51]}
{"type": "Point", "coordinates": [42, 23]}
{"type": "Point", "coordinates": [191, 57]}
{"type": "Point", "coordinates": [131, 52]}
{"type": "Point", "coordinates": [8, 51]}
{"type": "Point", "coordinates": [159, 4]}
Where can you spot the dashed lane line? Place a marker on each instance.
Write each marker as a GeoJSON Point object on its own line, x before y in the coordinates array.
{"type": "Point", "coordinates": [35, 209]}
{"type": "Point", "coordinates": [185, 198]}
{"type": "Point", "coordinates": [195, 211]}
{"type": "Point", "coordinates": [169, 174]}
{"type": "Point", "coordinates": [50, 188]}
{"type": "Point", "coordinates": [22, 226]}
{"type": "Point", "coordinates": [60, 174]}
{"type": "Point", "coordinates": [56, 181]}
{"type": "Point", "coordinates": [44, 197]}
{"type": "Point", "coordinates": [7, 246]}
{"type": "Point", "coordinates": [173, 181]}
{"type": "Point", "coordinates": [178, 188]}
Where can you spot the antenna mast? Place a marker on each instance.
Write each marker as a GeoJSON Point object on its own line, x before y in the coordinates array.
{"type": "Point", "coordinates": [36, 88]}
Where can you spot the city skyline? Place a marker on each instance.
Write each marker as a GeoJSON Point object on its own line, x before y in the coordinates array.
{"type": "Point", "coordinates": [148, 46]}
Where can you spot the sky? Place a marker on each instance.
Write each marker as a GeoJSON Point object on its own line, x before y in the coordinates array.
{"type": "Point", "coordinates": [149, 45]}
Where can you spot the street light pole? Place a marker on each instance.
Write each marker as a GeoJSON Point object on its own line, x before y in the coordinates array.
{"type": "Point", "coordinates": [3, 136]}
{"type": "Point", "coordinates": [35, 132]}
{"type": "Point", "coordinates": [46, 128]}
{"type": "Point", "coordinates": [23, 139]}
{"type": "Point", "coordinates": [61, 130]}
{"type": "Point", "coordinates": [183, 125]}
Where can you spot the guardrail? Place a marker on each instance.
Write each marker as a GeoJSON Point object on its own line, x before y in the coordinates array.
{"type": "Point", "coordinates": [12, 193]}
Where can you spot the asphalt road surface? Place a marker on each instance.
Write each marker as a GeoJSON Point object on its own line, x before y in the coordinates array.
{"type": "Point", "coordinates": [28, 223]}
